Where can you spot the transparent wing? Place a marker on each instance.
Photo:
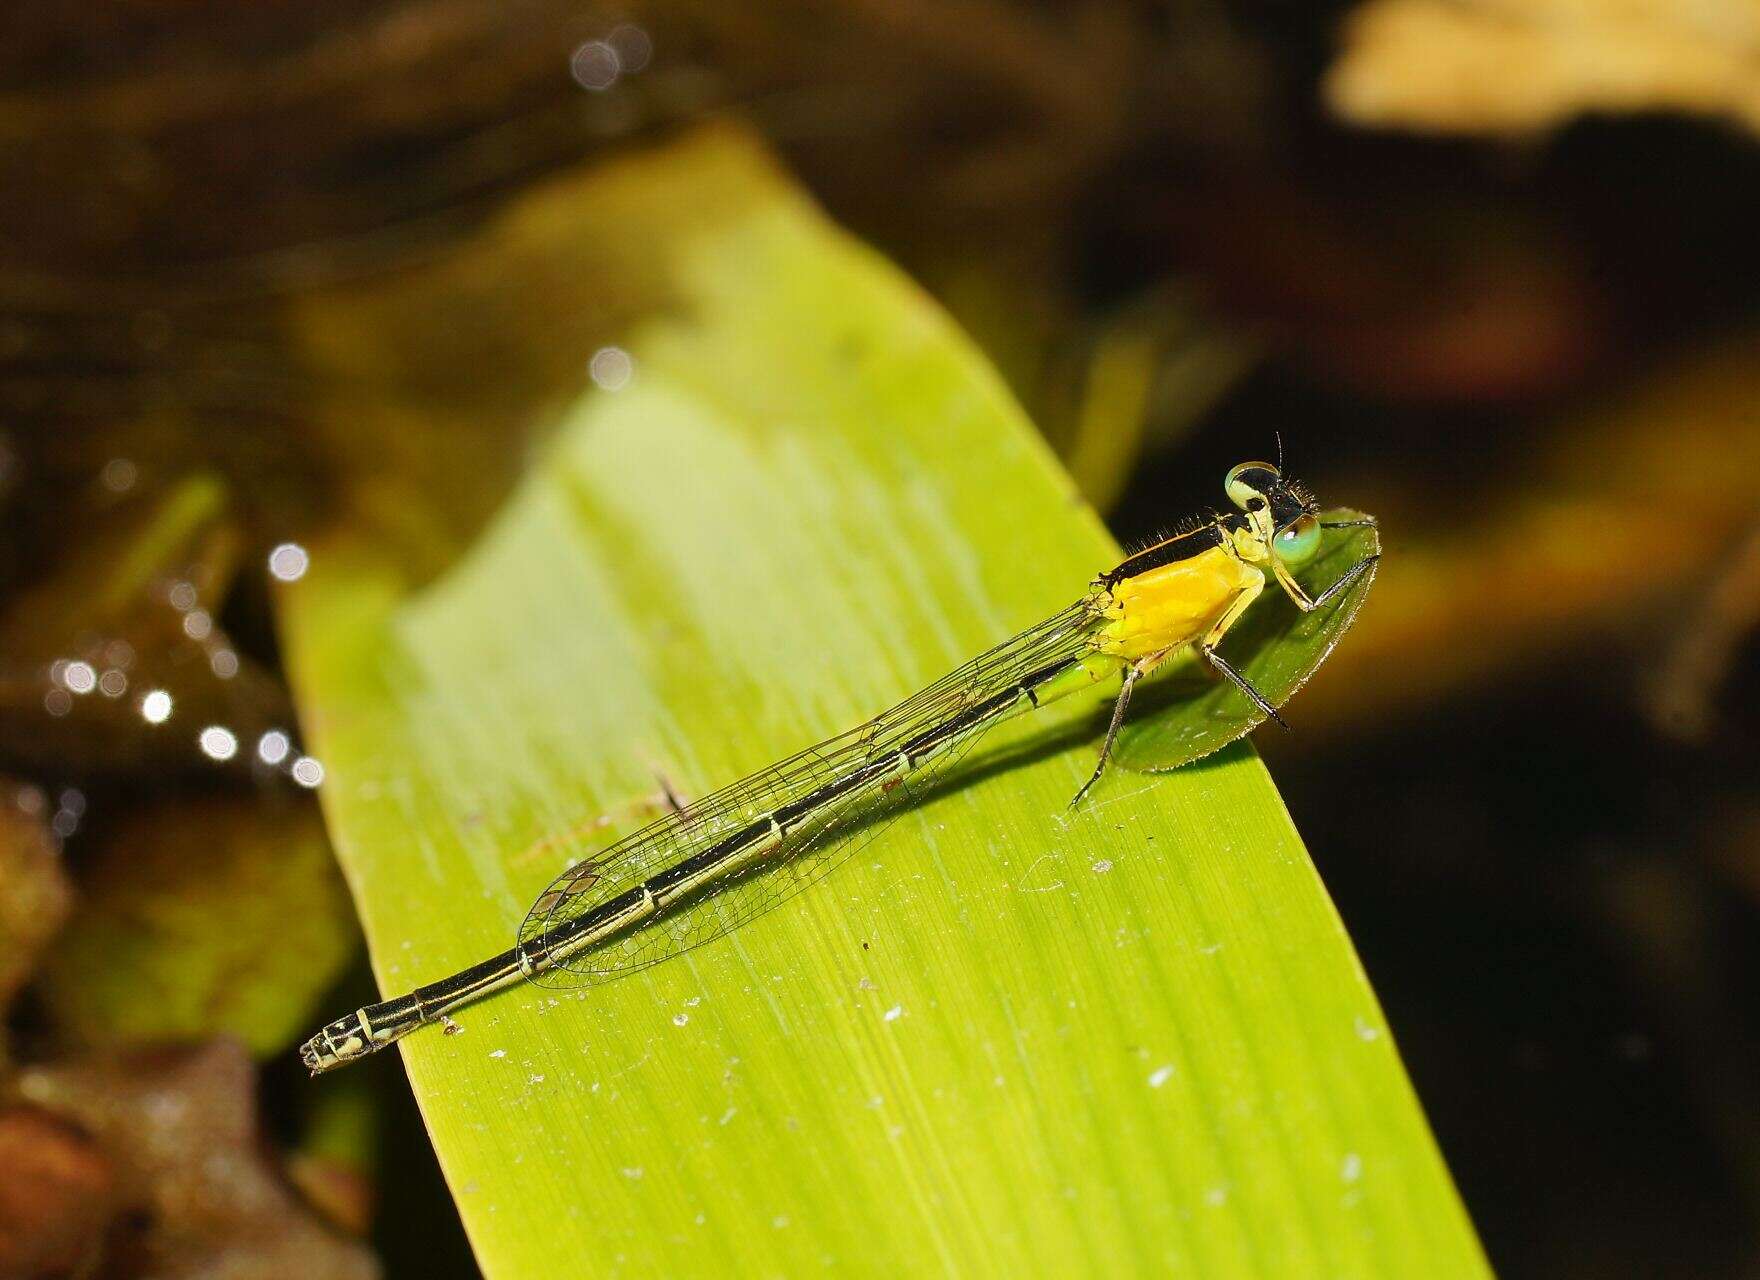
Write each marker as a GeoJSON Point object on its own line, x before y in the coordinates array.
{"type": "Point", "coordinates": [810, 850]}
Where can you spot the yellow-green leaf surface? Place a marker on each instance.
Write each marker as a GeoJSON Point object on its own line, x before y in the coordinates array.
{"type": "Point", "coordinates": [1004, 1039]}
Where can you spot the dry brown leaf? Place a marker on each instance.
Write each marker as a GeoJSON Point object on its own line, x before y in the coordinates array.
{"type": "Point", "coordinates": [180, 1131]}
{"type": "Point", "coordinates": [57, 1195]}
{"type": "Point", "coordinates": [1519, 66]}
{"type": "Point", "coordinates": [131, 602]}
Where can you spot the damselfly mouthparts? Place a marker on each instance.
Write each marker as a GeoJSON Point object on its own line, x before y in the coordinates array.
{"type": "Point", "coordinates": [708, 867]}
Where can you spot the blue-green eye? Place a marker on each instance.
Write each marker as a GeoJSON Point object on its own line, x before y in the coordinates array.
{"type": "Point", "coordinates": [1298, 543]}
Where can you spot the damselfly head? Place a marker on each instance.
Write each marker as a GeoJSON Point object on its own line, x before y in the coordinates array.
{"type": "Point", "coordinates": [1257, 487]}
{"type": "Point", "coordinates": [1281, 511]}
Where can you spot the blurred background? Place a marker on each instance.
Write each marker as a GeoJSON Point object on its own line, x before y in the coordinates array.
{"type": "Point", "coordinates": [1490, 267]}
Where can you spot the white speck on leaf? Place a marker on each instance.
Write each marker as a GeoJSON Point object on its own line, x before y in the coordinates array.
{"type": "Point", "coordinates": [894, 1014]}
{"type": "Point", "coordinates": [1102, 866]}
{"type": "Point", "coordinates": [1160, 1076]}
{"type": "Point", "coordinates": [1351, 1167]}
{"type": "Point", "coordinates": [679, 1019]}
{"type": "Point", "coordinates": [1367, 1030]}
{"type": "Point", "coordinates": [498, 1053]}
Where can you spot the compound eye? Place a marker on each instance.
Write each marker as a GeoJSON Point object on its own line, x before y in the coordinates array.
{"type": "Point", "coordinates": [1297, 544]}
{"type": "Point", "coordinates": [1249, 480]}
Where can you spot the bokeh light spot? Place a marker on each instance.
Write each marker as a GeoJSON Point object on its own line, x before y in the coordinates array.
{"type": "Point", "coordinates": [273, 746]}
{"type": "Point", "coordinates": [218, 742]}
{"type": "Point", "coordinates": [119, 475]}
{"type": "Point", "coordinates": [633, 46]}
{"type": "Point", "coordinates": [611, 368]}
{"type": "Point", "coordinates": [595, 65]}
{"type": "Point", "coordinates": [289, 562]}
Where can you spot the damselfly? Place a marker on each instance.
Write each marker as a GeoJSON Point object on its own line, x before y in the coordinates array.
{"type": "Point", "coordinates": [706, 868]}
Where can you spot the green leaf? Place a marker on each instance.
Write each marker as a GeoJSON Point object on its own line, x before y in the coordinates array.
{"type": "Point", "coordinates": [202, 918]}
{"type": "Point", "coordinates": [1005, 1038]}
{"type": "Point", "coordinates": [1186, 712]}
{"type": "Point", "coordinates": [35, 895]}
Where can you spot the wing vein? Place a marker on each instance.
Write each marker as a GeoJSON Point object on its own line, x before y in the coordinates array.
{"type": "Point", "coordinates": [744, 849]}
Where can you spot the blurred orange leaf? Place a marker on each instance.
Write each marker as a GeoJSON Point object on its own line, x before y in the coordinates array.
{"type": "Point", "coordinates": [1518, 66]}
{"type": "Point", "coordinates": [1632, 502]}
